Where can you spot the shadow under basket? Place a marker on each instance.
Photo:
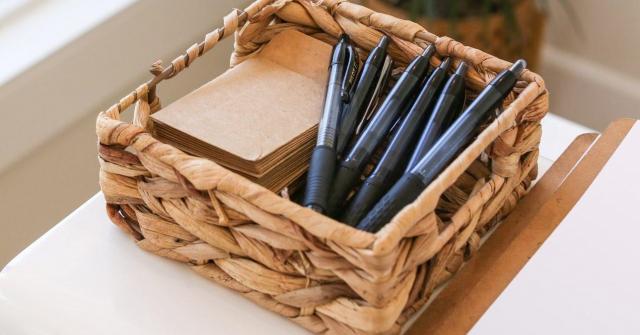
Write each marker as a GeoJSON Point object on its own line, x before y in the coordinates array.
{"type": "Point", "coordinates": [321, 274]}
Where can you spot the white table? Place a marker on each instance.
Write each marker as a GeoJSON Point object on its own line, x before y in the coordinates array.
{"type": "Point", "coordinates": [584, 278]}
{"type": "Point", "coordinates": [85, 276]}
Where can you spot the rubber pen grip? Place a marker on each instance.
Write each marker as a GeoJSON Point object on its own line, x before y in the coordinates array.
{"type": "Point", "coordinates": [405, 191]}
{"type": "Point", "coordinates": [345, 180]}
{"type": "Point", "coordinates": [323, 162]}
{"type": "Point", "coordinates": [367, 196]}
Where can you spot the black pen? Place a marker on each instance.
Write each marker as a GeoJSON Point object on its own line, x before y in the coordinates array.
{"type": "Point", "coordinates": [368, 86]}
{"type": "Point", "coordinates": [354, 163]}
{"type": "Point", "coordinates": [385, 75]}
{"type": "Point", "coordinates": [342, 71]}
{"type": "Point", "coordinates": [412, 183]}
{"type": "Point", "coordinates": [390, 164]}
{"type": "Point", "coordinates": [447, 108]}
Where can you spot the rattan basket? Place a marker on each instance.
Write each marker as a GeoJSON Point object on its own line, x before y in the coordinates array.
{"type": "Point", "coordinates": [323, 275]}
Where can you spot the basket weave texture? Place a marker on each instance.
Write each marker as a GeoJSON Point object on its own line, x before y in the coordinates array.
{"type": "Point", "coordinates": [323, 275]}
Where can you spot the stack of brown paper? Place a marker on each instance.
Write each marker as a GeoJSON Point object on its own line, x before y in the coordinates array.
{"type": "Point", "coordinates": [259, 118]}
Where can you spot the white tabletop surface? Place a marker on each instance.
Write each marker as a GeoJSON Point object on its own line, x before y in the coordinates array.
{"type": "Point", "coordinates": [85, 276]}
{"type": "Point", "coordinates": [584, 278]}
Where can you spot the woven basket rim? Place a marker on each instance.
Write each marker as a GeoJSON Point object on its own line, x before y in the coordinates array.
{"type": "Point", "coordinates": [318, 272]}
{"type": "Point", "coordinates": [386, 238]}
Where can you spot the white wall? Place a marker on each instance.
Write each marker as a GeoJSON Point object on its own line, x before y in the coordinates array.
{"type": "Point", "coordinates": [50, 167]}
{"type": "Point", "coordinates": [595, 79]}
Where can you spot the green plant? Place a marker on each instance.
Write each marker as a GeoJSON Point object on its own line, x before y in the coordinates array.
{"type": "Point", "coordinates": [455, 10]}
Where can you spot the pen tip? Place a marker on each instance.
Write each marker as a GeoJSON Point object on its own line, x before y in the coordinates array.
{"type": "Point", "coordinates": [344, 38]}
{"type": "Point", "coordinates": [518, 67]}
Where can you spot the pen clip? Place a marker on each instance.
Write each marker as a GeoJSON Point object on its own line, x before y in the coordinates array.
{"type": "Point", "coordinates": [350, 74]}
{"type": "Point", "coordinates": [383, 79]}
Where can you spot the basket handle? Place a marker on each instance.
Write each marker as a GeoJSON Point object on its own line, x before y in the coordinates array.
{"type": "Point", "coordinates": [237, 18]}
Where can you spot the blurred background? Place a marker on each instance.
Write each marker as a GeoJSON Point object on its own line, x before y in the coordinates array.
{"type": "Point", "coordinates": [65, 60]}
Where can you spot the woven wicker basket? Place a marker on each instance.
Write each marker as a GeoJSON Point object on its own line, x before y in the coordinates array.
{"type": "Point", "coordinates": [321, 274]}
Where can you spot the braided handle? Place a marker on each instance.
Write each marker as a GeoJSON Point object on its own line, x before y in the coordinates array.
{"type": "Point", "coordinates": [237, 18]}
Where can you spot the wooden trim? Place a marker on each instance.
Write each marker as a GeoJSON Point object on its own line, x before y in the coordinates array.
{"type": "Point", "coordinates": [472, 291]}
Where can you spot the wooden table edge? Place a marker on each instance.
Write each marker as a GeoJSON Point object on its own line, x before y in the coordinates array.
{"type": "Point", "coordinates": [470, 293]}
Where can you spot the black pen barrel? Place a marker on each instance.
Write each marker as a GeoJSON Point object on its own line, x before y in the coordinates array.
{"type": "Point", "coordinates": [324, 157]}
{"type": "Point", "coordinates": [402, 193]}
{"type": "Point", "coordinates": [390, 108]}
{"type": "Point", "coordinates": [363, 92]}
{"type": "Point", "coordinates": [369, 193]}
{"type": "Point", "coordinates": [412, 183]}
{"type": "Point", "coordinates": [359, 156]}
{"type": "Point", "coordinates": [391, 161]}
{"type": "Point", "coordinates": [463, 129]}
{"type": "Point", "coordinates": [447, 108]}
